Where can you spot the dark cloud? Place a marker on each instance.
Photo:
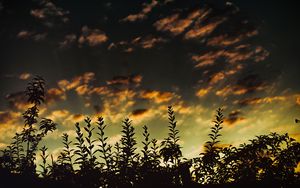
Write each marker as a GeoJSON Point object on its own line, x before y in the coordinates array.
{"type": "Point", "coordinates": [139, 112]}
{"type": "Point", "coordinates": [234, 117]}
{"type": "Point", "coordinates": [17, 101]}
{"type": "Point", "coordinates": [125, 80]}
{"type": "Point", "coordinates": [5, 117]}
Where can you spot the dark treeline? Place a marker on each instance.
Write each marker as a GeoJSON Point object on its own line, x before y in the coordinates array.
{"type": "Point", "coordinates": [266, 161]}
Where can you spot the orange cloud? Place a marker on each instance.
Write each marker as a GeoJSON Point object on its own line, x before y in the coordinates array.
{"type": "Point", "coordinates": [10, 123]}
{"type": "Point", "coordinates": [226, 40]}
{"type": "Point", "coordinates": [175, 25]}
{"type": "Point", "coordinates": [147, 8]}
{"type": "Point", "coordinates": [298, 100]}
{"type": "Point", "coordinates": [86, 78]}
{"type": "Point", "coordinates": [82, 89]}
{"type": "Point", "coordinates": [238, 54]}
{"type": "Point", "coordinates": [92, 37]}
{"type": "Point", "coordinates": [157, 96]}
{"type": "Point", "coordinates": [150, 42]}
{"type": "Point", "coordinates": [203, 92]}
{"type": "Point", "coordinates": [55, 94]}
{"type": "Point", "coordinates": [203, 31]}
{"type": "Point", "coordinates": [216, 78]}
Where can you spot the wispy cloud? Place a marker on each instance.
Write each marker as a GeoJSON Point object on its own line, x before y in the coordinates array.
{"type": "Point", "coordinates": [147, 8]}
{"type": "Point", "coordinates": [176, 25]}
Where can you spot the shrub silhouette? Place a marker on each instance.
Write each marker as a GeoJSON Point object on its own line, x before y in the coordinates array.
{"type": "Point", "coordinates": [266, 161]}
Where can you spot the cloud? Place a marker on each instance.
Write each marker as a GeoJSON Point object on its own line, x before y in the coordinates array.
{"type": "Point", "coordinates": [235, 55]}
{"type": "Point", "coordinates": [48, 13]}
{"type": "Point", "coordinates": [298, 100]}
{"type": "Point", "coordinates": [24, 76]}
{"type": "Point", "coordinates": [257, 100]}
{"type": "Point", "coordinates": [248, 84]}
{"type": "Point", "coordinates": [58, 115]}
{"type": "Point", "coordinates": [203, 92]}
{"type": "Point", "coordinates": [157, 96]}
{"type": "Point", "coordinates": [85, 78]}
{"type": "Point", "coordinates": [126, 80]}
{"type": "Point", "coordinates": [147, 8]}
{"type": "Point", "coordinates": [68, 41]}
{"type": "Point", "coordinates": [216, 78]}
{"type": "Point", "coordinates": [17, 101]}
{"type": "Point", "coordinates": [10, 123]}
{"type": "Point", "coordinates": [176, 25]}
{"type": "Point", "coordinates": [234, 117]}
{"type": "Point", "coordinates": [147, 42]}
{"type": "Point", "coordinates": [54, 94]}
{"type": "Point", "coordinates": [199, 30]}
{"type": "Point", "coordinates": [25, 35]}
{"type": "Point", "coordinates": [91, 37]}
{"type": "Point", "coordinates": [226, 40]}
{"type": "Point", "coordinates": [139, 112]}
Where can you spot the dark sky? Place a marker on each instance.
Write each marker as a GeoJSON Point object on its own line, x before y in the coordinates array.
{"type": "Point", "coordinates": [134, 58]}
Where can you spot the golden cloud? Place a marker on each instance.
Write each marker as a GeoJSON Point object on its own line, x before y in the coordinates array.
{"type": "Point", "coordinates": [199, 30]}
{"type": "Point", "coordinates": [157, 96]}
{"type": "Point", "coordinates": [203, 92]}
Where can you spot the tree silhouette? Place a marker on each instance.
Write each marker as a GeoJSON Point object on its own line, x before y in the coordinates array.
{"type": "Point", "coordinates": [206, 167]}
{"type": "Point", "coordinates": [265, 161]}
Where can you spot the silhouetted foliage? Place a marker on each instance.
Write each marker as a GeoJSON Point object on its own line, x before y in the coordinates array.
{"type": "Point", "coordinates": [265, 161]}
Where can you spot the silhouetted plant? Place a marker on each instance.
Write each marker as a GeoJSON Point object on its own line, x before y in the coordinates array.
{"type": "Point", "coordinates": [43, 165]}
{"type": "Point", "coordinates": [267, 160]}
{"type": "Point", "coordinates": [170, 150]}
{"type": "Point", "coordinates": [67, 154]}
{"type": "Point", "coordinates": [81, 150]}
{"type": "Point", "coordinates": [104, 147]}
{"type": "Point", "coordinates": [90, 142]}
{"type": "Point", "coordinates": [23, 157]}
{"type": "Point", "coordinates": [207, 166]}
{"type": "Point", "coordinates": [128, 158]}
{"type": "Point", "coordinates": [155, 153]}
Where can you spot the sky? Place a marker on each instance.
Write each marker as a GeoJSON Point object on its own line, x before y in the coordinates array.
{"type": "Point", "coordinates": [134, 58]}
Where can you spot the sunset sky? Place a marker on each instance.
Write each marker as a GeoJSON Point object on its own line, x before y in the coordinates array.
{"type": "Point", "coordinates": [133, 58]}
